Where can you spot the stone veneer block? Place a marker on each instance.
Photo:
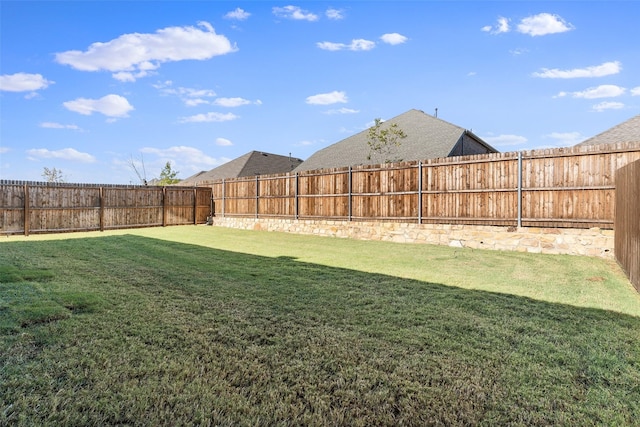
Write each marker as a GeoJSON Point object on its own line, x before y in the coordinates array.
{"type": "Point", "coordinates": [591, 242]}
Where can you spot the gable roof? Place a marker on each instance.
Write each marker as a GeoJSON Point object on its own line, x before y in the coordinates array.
{"type": "Point", "coordinates": [427, 137]}
{"type": "Point", "coordinates": [250, 164]}
{"type": "Point", "coordinates": [628, 131]}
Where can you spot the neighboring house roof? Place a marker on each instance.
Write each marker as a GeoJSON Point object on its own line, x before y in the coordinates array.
{"type": "Point", "coordinates": [427, 137]}
{"type": "Point", "coordinates": [251, 164]}
{"type": "Point", "coordinates": [628, 131]}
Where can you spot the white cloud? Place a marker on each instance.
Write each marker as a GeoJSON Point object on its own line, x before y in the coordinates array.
{"type": "Point", "coordinates": [223, 142]}
{"type": "Point", "coordinates": [334, 14]}
{"type": "Point", "coordinates": [231, 102]}
{"type": "Point", "coordinates": [64, 154]}
{"type": "Point", "coordinates": [361, 44]}
{"type": "Point", "coordinates": [602, 91]}
{"type": "Point", "coordinates": [518, 51]}
{"type": "Point", "coordinates": [331, 46]}
{"type": "Point", "coordinates": [132, 56]}
{"type": "Point", "coordinates": [52, 125]}
{"type": "Point", "coordinates": [304, 143]}
{"type": "Point", "coordinates": [505, 140]}
{"type": "Point", "coordinates": [355, 45]}
{"type": "Point", "coordinates": [195, 102]}
{"type": "Point", "coordinates": [125, 76]}
{"type": "Point", "coordinates": [393, 38]}
{"type": "Point", "coordinates": [209, 117]}
{"type": "Point", "coordinates": [183, 157]}
{"type": "Point", "coordinates": [565, 139]}
{"type": "Point", "coordinates": [23, 82]}
{"type": "Point", "coordinates": [295, 13]}
{"type": "Point", "coordinates": [191, 97]}
{"type": "Point", "coordinates": [501, 27]}
{"type": "Point", "coordinates": [195, 97]}
{"type": "Point", "coordinates": [109, 105]}
{"type": "Point", "coordinates": [635, 91]}
{"type": "Point", "coordinates": [543, 24]}
{"type": "Point", "coordinates": [237, 14]}
{"type": "Point", "coordinates": [327, 98]}
{"type": "Point", "coordinates": [604, 69]}
{"type": "Point", "coordinates": [535, 25]}
{"type": "Point", "coordinates": [194, 93]}
{"type": "Point", "coordinates": [342, 111]}
{"type": "Point", "coordinates": [4, 150]}
{"type": "Point", "coordinates": [607, 105]}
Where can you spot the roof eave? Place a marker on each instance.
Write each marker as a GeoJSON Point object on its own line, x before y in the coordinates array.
{"type": "Point", "coordinates": [480, 141]}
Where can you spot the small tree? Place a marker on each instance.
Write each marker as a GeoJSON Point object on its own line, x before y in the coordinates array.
{"type": "Point", "coordinates": [168, 175]}
{"type": "Point", "coordinates": [384, 141]}
{"type": "Point", "coordinates": [53, 175]}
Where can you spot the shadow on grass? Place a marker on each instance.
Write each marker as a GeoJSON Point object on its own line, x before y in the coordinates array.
{"type": "Point", "coordinates": [182, 334]}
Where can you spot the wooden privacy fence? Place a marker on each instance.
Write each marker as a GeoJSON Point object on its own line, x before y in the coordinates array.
{"type": "Point", "coordinates": [627, 222]}
{"type": "Point", "coordinates": [29, 207]}
{"type": "Point", "coordinates": [566, 187]}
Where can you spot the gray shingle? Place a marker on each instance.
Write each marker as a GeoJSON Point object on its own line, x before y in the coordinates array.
{"type": "Point", "coordinates": [250, 164]}
{"type": "Point", "coordinates": [427, 137]}
{"type": "Point", "coordinates": [628, 131]}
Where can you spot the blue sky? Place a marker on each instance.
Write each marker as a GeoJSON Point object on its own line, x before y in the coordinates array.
{"type": "Point", "coordinates": [88, 87]}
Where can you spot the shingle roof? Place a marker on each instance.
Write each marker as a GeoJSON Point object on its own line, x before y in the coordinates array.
{"type": "Point", "coordinates": [250, 164]}
{"type": "Point", "coordinates": [628, 131]}
{"type": "Point", "coordinates": [427, 137]}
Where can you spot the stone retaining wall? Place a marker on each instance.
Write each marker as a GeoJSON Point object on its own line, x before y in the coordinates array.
{"type": "Point", "coordinates": [590, 242]}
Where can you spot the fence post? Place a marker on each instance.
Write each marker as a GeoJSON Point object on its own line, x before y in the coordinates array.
{"type": "Point", "coordinates": [257, 194]}
{"type": "Point", "coordinates": [295, 200]}
{"type": "Point", "coordinates": [420, 192]}
{"type": "Point", "coordinates": [101, 209]}
{"type": "Point", "coordinates": [519, 189]}
{"type": "Point", "coordinates": [212, 207]}
{"type": "Point", "coordinates": [164, 206]}
{"type": "Point", "coordinates": [195, 206]}
{"type": "Point", "coordinates": [350, 192]}
{"type": "Point", "coordinates": [26, 210]}
{"type": "Point", "coordinates": [223, 186]}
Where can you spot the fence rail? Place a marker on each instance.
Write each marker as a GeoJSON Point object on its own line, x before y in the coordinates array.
{"type": "Point", "coordinates": [32, 207]}
{"type": "Point", "coordinates": [627, 222]}
{"type": "Point", "coordinates": [567, 187]}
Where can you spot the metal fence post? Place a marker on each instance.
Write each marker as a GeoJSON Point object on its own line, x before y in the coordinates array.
{"type": "Point", "coordinates": [295, 200]}
{"type": "Point", "coordinates": [519, 189]}
{"type": "Point", "coordinates": [257, 195]}
{"type": "Point", "coordinates": [420, 192]}
{"type": "Point", "coordinates": [350, 193]}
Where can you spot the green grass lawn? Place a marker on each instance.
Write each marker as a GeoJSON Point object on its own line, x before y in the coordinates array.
{"type": "Point", "coordinates": [200, 325]}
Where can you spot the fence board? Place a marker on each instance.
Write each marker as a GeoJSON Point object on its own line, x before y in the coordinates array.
{"type": "Point", "coordinates": [45, 208]}
{"type": "Point", "coordinates": [627, 221]}
{"type": "Point", "coordinates": [12, 208]}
